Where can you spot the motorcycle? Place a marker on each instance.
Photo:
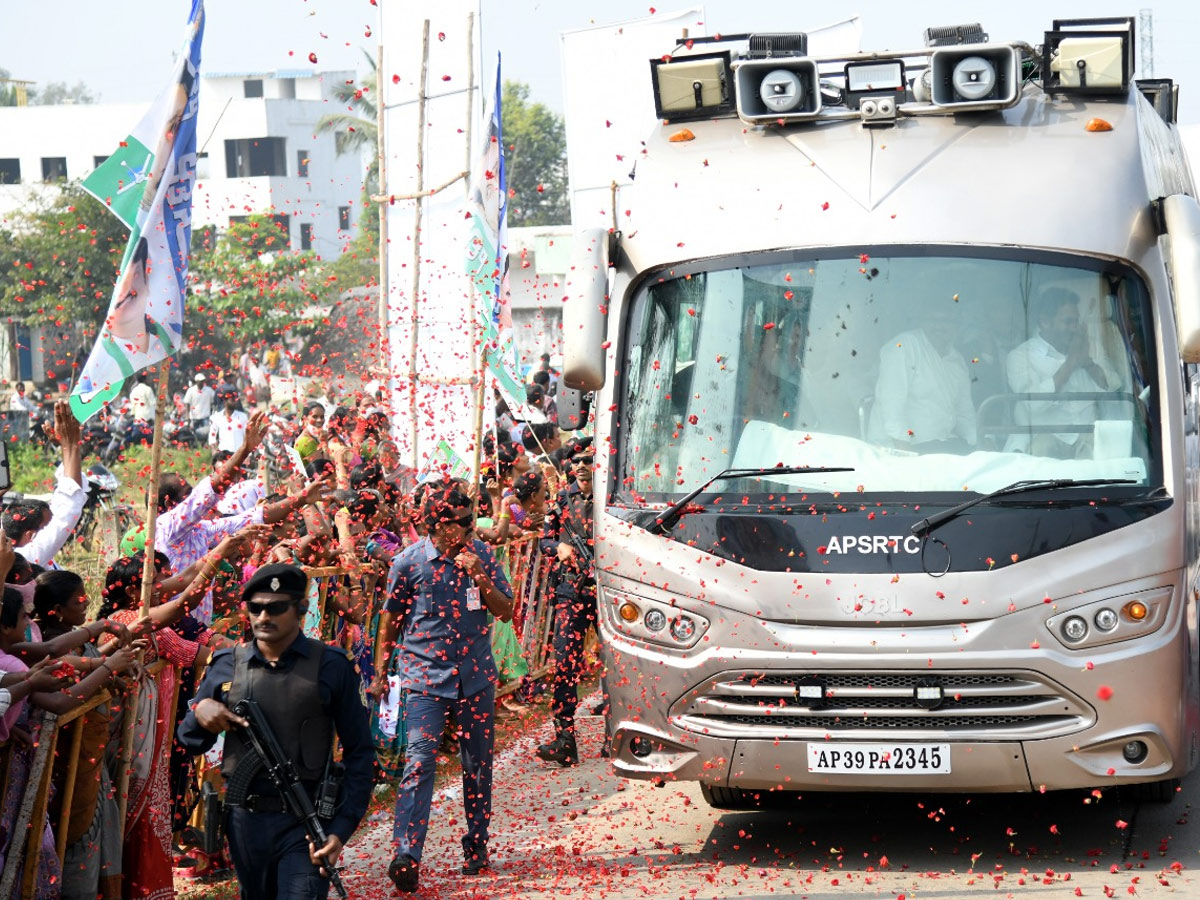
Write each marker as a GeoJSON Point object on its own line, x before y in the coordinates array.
{"type": "Point", "coordinates": [178, 431]}
{"type": "Point", "coordinates": [126, 431]}
{"type": "Point", "coordinates": [103, 521]}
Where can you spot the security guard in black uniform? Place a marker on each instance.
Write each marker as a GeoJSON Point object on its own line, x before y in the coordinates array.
{"type": "Point", "coordinates": [567, 534]}
{"type": "Point", "coordinates": [308, 692]}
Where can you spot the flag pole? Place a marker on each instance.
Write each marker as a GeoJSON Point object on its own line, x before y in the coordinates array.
{"type": "Point", "coordinates": [385, 357]}
{"type": "Point", "coordinates": [478, 346]}
{"type": "Point", "coordinates": [414, 300]}
{"type": "Point", "coordinates": [160, 413]}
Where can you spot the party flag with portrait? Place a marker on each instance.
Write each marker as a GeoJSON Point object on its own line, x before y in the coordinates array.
{"type": "Point", "coordinates": [148, 184]}
{"type": "Point", "coordinates": [487, 255]}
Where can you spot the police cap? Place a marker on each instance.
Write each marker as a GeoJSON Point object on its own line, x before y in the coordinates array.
{"type": "Point", "coordinates": [278, 578]}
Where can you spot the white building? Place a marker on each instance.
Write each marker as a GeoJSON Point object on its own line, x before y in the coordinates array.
{"type": "Point", "coordinates": [260, 154]}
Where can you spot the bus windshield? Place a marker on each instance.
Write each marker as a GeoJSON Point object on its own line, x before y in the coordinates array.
{"type": "Point", "coordinates": [924, 371]}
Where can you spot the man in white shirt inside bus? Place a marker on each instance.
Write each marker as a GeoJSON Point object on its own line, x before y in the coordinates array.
{"type": "Point", "coordinates": [1057, 360]}
{"type": "Point", "coordinates": [923, 395]}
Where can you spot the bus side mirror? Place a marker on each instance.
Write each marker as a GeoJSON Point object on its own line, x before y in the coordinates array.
{"type": "Point", "coordinates": [573, 407]}
{"type": "Point", "coordinates": [585, 313]}
{"type": "Point", "coordinates": [1181, 214]}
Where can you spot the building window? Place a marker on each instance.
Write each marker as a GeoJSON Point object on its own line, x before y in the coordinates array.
{"type": "Point", "coordinates": [305, 235]}
{"type": "Point", "coordinates": [54, 168]}
{"type": "Point", "coordinates": [10, 171]}
{"type": "Point", "coordinates": [98, 161]}
{"type": "Point", "coordinates": [302, 163]}
{"type": "Point", "coordinates": [254, 157]}
{"type": "Point", "coordinates": [343, 218]}
{"type": "Point", "coordinates": [252, 88]}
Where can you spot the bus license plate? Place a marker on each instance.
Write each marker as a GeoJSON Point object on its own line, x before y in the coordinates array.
{"type": "Point", "coordinates": [879, 759]}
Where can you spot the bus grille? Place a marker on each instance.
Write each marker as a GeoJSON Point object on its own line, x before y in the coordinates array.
{"type": "Point", "coordinates": [971, 705]}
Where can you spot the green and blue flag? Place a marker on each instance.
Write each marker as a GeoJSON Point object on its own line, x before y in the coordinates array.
{"type": "Point", "coordinates": [148, 184]}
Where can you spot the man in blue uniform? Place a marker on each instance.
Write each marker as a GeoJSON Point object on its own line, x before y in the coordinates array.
{"type": "Point", "coordinates": [440, 592]}
{"type": "Point", "coordinates": [308, 692]}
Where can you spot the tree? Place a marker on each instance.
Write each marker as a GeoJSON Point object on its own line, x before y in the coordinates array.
{"type": "Point", "coordinates": [57, 93]}
{"type": "Point", "coordinates": [535, 146]}
{"type": "Point", "coordinates": [61, 258]}
{"type": "Point", "coordinates": [246, 281]}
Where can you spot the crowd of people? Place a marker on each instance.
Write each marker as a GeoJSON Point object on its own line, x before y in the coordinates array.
{"type": "Point", "coordinates": [233, 621]}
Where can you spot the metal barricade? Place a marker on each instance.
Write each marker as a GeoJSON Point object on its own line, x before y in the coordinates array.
{"type": "Point", "coordinates": [27, 830]}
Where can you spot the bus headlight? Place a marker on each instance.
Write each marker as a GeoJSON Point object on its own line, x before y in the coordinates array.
{"type": "Point", "coordinates": [1140, 614]}
{"type": "Point", "coordinates": [683, 628]}
{"type": "Point", "coordinates": [1074, 629]}
{"type": "Point", "coordinates": [651, 621]}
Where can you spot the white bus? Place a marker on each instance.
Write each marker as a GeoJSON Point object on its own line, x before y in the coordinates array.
{"type": "Point", "coordinates": [893, 360]}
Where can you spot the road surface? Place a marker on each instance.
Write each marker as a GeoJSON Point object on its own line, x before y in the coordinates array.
{"type": "Point", "coordinates": [584, 833]}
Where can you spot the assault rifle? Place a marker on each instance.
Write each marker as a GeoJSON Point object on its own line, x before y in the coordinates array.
{"type": "Point", "coordinates": [284, 777]}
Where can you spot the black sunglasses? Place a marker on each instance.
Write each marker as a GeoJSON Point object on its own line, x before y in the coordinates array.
{"type": "Point", "coordinates": [271, 607]}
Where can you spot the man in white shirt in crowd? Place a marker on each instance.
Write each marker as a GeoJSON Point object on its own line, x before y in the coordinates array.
{"type": "Point", "coordinates": [1057, 360]}
{"type": "Point", "coordinates": [38, 529]}
{"type": "Point", "coordinates": [923, 395]}
{"type": "Point", "coordinates": [199, 402]}
{"type": "Point", "coordinates": [142, 401]}
{"type": "Point", "coordinates": [20, 401]}
{"type": "Point", "coordinates": [228, 424]}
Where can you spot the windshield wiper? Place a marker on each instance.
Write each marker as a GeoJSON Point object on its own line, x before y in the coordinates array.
{"type": "Point", "coordinates": [664, 523]}
{"type": "Point", "coordinates": [926, 525]}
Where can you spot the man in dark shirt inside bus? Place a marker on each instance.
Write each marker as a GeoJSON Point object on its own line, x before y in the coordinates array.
{"type": "Point", "coordinates": [440, 591]}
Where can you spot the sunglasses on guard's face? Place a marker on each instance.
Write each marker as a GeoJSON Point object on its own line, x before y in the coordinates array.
{"type": "Point", "coordinates": [271, 607]}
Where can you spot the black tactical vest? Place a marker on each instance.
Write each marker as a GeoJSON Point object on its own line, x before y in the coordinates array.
{"type": "Point", "coordinates": [291, 700]}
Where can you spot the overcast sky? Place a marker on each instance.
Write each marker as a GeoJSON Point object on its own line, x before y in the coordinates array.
{"type": "Point", "coordinates": [122, 49]}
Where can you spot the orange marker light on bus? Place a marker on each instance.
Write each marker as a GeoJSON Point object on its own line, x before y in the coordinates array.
{"type": "Point", "coordinates": [628, 612]}
{"type": "Point", "coordinates": [1098, 125]}
{"type": "Point", "coordinates": [1136, 610]}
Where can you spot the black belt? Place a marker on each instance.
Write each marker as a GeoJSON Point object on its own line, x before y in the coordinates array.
{"type": "Point", "coordinates": [264, 803]}
{"type": "Point", "coordinates": [273, 802]}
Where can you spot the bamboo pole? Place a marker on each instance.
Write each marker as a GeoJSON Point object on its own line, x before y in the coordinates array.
{"type": "Point", "coordinates": [385, 360]}
{"type": "Point", "coordinates": [478, 347]}
{"type": "Point", "coordinates": [415, 299]}
{"type": "Point", "coordinates": [160, 413]}
{"type": "Point", "coordinates": [68, 795]}
{"type": "Point", "coordinates": [125, 755]}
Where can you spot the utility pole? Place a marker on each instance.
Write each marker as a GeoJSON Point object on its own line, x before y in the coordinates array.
{"type": "Point", "coordinates": [1146, 42]}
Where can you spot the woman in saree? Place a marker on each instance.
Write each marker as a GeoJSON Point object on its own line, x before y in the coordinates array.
{"type": "Point", "coordinates": [91, 865]}
{"type": "Point", "coordinates": [26, 731]}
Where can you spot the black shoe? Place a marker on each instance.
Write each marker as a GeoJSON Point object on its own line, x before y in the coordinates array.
{"type": "Point", "coordinates": [476, 859]}
{"type": "Point", "coordinates": [562, 749]}
{"type": "Point", "coordinates": [606, 748]}
{"type": "Point", "coordinates": [404, 872]}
